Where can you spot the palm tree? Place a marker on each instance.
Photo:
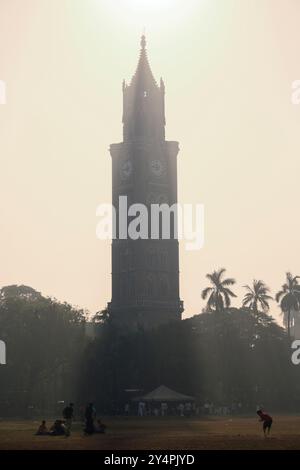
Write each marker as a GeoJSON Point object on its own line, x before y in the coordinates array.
{"type": "Point", "coordinates": [219, 295]}
{"type": "Point", "coordinates": [257, 295]}
{"type": "Point", "coordinates": [289, 298]}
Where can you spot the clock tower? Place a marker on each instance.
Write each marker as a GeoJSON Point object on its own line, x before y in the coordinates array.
{"type": "Point", "coordinates": [145, 272]}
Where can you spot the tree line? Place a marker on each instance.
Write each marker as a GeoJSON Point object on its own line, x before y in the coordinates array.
{"type": "Point", "coordinates": [236, 357]}
{"type": "Point", "coordinates": [222, 355]}
{"type": "Point", "coordinates": [45, 341]}
{"type": "Point", "coordinates": [219, 295]}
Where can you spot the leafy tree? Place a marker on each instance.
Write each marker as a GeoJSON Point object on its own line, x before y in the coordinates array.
{"type": "Point", "coordinates": [45, 340]}
{"type": "Point", "coordinates": [102, 317]}
{"type": "Point", "coordinates": [225, 359]}
{"type": "Point", "coordinates": [15, 292]}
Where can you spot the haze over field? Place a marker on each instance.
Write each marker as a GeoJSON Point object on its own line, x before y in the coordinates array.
{"type": "Point", "coordinates": [228, 69]}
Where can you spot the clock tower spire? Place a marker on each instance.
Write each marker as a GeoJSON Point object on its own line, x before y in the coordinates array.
{"type": "Point", "coordinates": [145, 272]}
{"type": "Point", "coordinates": [143, 103]}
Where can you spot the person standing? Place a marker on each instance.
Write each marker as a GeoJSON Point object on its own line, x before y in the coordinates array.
{"type": "Point", "coordinates": [90, 414]}
{"type": "Point", "coordinates": [188, 409]}
{"type": "Point", "coordinates": [164, 408]}
{"type": "Point", "coordinates": [181, 409]}
{"type": "Point", "coordinates": [141, 408]}
{"type": "Point", "coordinates": [68, 414]}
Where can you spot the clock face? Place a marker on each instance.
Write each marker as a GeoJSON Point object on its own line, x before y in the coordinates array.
{"type": "Point", "coordinates": [126, 169]}
{"type": "Point", "coordinates": [157, 167]}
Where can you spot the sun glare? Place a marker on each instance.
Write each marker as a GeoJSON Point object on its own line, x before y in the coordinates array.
{"type": "Point", "coordinates": [152, 13]}
{"type": "Point", "coordinates": [148, 5]}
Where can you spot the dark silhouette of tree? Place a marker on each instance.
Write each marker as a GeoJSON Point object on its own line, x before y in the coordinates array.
{"type": "Point", "coordinates": [45, 341]}
{"type": "Point", "coordinates": [224, 359]}
{"type": "Point", "coordinates": [101, 317]}
{"type": "Point", "coordinates": [256, 296]}
{"type": "Point", "coordinates": [19, 292]}
{"type": "Point", "coordinates": [289, 299]}
{"type": "Point", "coordinates": [219, 295]}
{"type": "Point", "coordinates": [236, 357]}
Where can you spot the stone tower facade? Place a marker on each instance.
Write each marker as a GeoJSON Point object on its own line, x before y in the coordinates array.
{"type": "Point", "coordinates": [145, 272]}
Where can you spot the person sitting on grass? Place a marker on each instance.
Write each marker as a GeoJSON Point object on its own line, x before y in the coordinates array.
{"type": "Point", "coordinates": [58, 428]}
{"type": "Point", "coordinates": [100, 427]}
{"type": "Point", "coordinates": [267, 421]}
{"type": "Point", "coordinates": [42, 430]}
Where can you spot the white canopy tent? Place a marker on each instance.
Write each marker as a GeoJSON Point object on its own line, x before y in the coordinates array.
{"type": "Point", "coordinates": [164, 394]}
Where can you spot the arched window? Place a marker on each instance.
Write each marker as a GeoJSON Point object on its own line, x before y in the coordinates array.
{"type": "Point", "coordinates": [123, 287]}
{"type": "Point", "coordinates": [163, 286]}
{"type": "Point", "coordinates": [150, 286]}
{"type": "Point", "coordinates": [126, 259]}
{"type": "Point", "coordinates": [131, 285]}
{"type": "Point", "coordinates": [163, 259]}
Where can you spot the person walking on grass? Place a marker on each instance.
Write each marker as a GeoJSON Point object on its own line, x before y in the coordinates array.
{"type": "Point", "coordinates": [68, 414]}
{"type": "Point", "coordinates": [267, 421]}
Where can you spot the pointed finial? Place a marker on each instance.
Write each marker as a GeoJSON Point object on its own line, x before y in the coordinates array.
{"type": "Point", "coordinates": [143, 42]}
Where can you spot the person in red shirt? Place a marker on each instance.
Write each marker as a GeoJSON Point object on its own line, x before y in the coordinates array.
{"type": "Point", "coordinates": [267, 421]}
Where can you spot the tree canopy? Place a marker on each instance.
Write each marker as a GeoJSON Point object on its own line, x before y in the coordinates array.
{"type": "Point", "coordinates": [239, 356]}
{"type": "Point", "coordinates": [45, 341]}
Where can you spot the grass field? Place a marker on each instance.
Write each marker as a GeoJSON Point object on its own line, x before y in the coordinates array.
{"type": "Point", "coordinates": [158, 433]}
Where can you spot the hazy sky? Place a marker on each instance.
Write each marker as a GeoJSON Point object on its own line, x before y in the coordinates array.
{"type": "Point", "coordinates": [228, 67]}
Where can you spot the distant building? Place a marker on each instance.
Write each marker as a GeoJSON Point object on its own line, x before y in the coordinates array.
{"type": "Point", "coordinates": [145, 273]}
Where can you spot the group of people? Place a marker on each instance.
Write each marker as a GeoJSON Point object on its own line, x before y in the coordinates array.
{"type": "Point", "coordinates": [210, 408]}
{"type": "Point", "coordinates": [63, 427]}
{"type": "Point", "coordinates": [92, 425]}
{"type": "Point", "coordinates": [188, 409]}
{"type": "Point", "coordinates": [163, 409]}
{"type": "Point", "coordinates": [57, 429]}
{"type": "Point", "coordinates": [185, 409]}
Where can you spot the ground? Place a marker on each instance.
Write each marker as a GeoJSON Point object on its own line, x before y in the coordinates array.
{"type": "Point", "coordinates": [160, 433]}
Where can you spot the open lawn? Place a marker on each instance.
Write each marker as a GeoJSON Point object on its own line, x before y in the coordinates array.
{"type": "Point", "coordinates": [160, 433]}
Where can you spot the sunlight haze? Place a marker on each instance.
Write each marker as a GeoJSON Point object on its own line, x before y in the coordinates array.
{"type": "Point", "coordinates": [228, 69]}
